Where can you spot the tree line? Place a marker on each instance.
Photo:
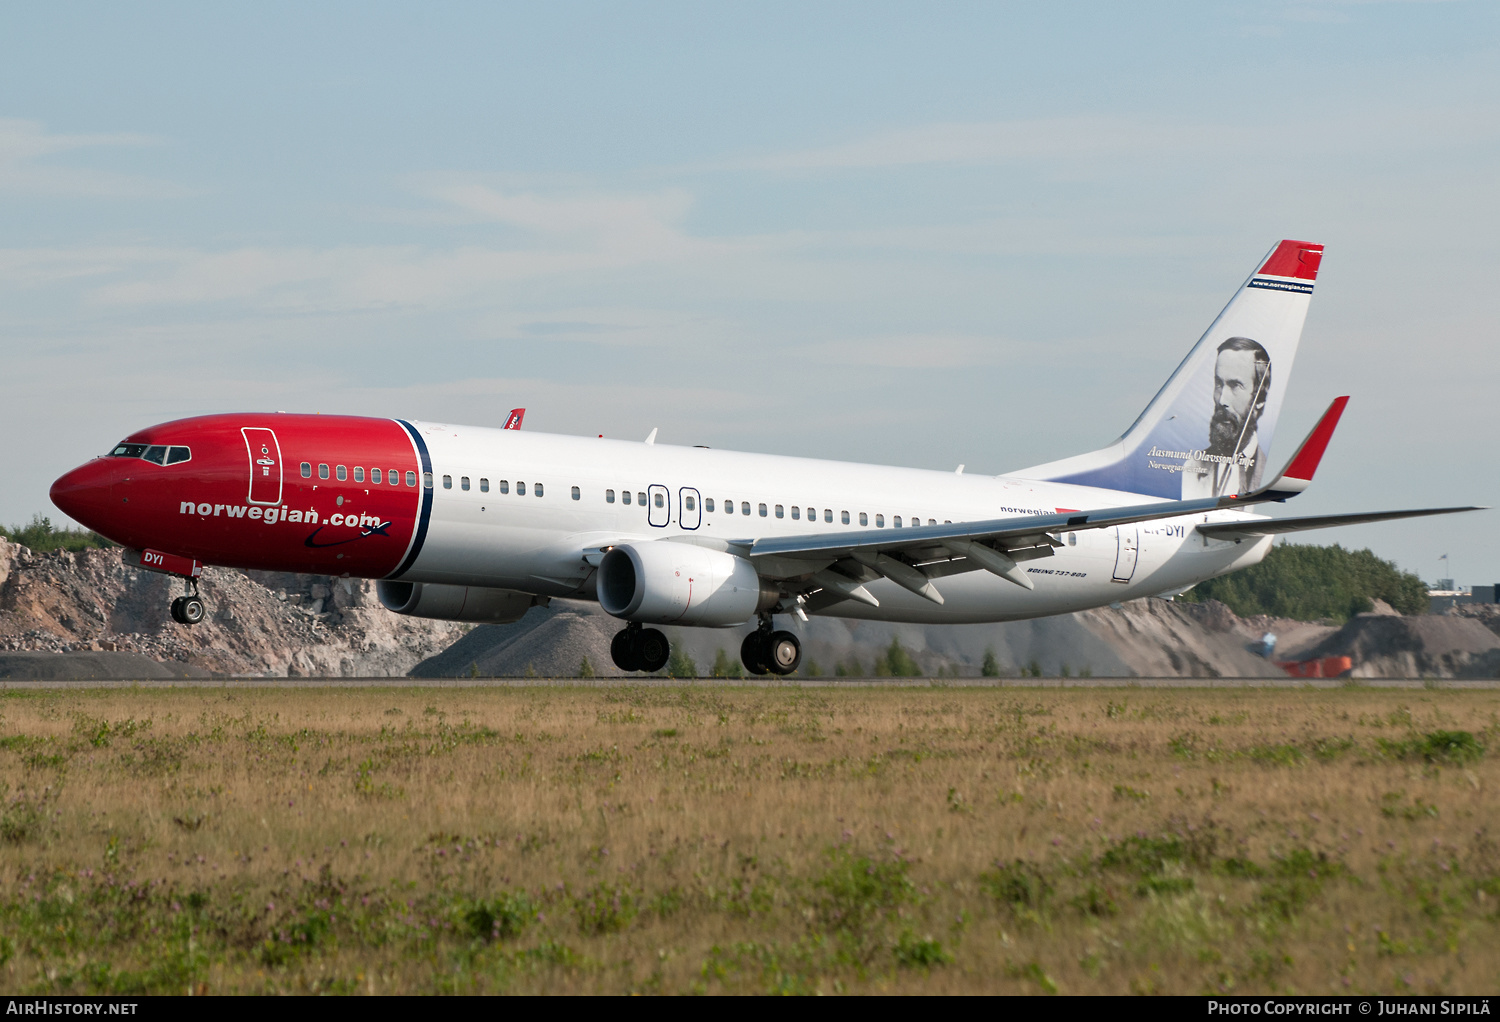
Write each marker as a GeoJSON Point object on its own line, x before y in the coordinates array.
{"type": "Point", "coordinates": [1313, 583]}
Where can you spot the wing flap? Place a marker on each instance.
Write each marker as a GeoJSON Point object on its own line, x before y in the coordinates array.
{"type": "Point", "coordinates": [1277, 526]}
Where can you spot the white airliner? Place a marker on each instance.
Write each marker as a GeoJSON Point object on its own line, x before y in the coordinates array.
{"type": "Point", "coordinates": [478, 524]}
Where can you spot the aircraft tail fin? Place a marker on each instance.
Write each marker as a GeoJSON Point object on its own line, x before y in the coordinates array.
{"type": "Point", "coordinates": [1208, 431]}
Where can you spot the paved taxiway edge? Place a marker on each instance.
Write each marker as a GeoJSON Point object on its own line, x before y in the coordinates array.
{"type": "Point", "coordinates": [909, 683]}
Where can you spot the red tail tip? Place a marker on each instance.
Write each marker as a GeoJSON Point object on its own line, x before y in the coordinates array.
{"type": "Point", "coordinates": [1297, 259]}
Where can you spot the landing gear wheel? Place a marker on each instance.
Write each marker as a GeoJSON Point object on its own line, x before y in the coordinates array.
{"type": "Point", "coordinates": [622, 650]}
{"type": "Point", "coordinates": [192, 610]}
{"type": "Point", "coordinates": [653, 649]}
{"type": "Point", "coordinates": [784, 653]}
{"type": "Point", "coordinates": [177, 610]}
{"type": "Point", "coordinates": [752, 653]}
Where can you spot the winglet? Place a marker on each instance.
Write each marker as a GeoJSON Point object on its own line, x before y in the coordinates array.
{"type": "Point", "coordinates": [514, 419]}
{"type": "Point", "coordinates": [1298, 474]}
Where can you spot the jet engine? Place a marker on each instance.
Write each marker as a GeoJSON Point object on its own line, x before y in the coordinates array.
{"type": "Point", "coordinates": [679, 583]}
{"type": "Point", "coordinates": [454, 603]}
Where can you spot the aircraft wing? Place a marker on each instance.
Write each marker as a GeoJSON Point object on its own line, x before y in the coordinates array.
{"type": "Point", "coordinates": [1277, 526]}
{"type": "Point", "coordinates": [841, 561]}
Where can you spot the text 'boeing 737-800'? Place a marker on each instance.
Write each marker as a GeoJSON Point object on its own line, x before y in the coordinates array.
{"type": "Point", "coordinates": [477, 524]}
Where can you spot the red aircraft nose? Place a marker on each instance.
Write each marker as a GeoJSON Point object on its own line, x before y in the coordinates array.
{"type": "Point", "coordinates": [84, 493]}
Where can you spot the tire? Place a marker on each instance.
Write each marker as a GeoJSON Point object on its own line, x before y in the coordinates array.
{"type": "Point", "coordinates": [192, 610]}
{"type": "Point", "coordinates": [177, 610]}
{"type": "Point", "coordinates": [783, 653]}
{"type": "Point", "coordinates": [653, 649]}
{"type": "Point", "coordinates": [752, 654]}
{"type": "Point", "coordinates": [622, 651]}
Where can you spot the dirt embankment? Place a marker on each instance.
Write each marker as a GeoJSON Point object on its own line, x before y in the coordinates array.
{"type": "Point", "coordinates": [113, 621]}
{"type": "Point", "coordinates": [259, 623]}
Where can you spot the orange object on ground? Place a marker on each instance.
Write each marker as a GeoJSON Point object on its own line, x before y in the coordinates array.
{"type": "Point", "coordinates": [1326, 667]}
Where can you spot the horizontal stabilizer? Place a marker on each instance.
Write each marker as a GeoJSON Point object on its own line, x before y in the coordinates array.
{"type": "Point", "coordinates": [1277, 526]}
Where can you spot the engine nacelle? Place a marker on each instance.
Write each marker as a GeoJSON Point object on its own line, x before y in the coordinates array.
{"type": "Point", "coordinates": [454, 603]}
{"type": "Point", "coordinates": [679, 583]}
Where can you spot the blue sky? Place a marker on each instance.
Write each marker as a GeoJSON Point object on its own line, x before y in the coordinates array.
{"type": "Point", "coordinates": [919, 234]}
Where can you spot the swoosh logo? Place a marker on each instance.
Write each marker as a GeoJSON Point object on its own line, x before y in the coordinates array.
{"type": "Point", "coordinates": [378, 530]}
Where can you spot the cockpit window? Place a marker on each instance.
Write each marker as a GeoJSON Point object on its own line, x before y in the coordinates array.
{"type": "Point", "coordinates": [157, 454]}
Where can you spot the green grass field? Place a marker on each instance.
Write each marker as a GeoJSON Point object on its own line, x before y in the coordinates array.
{"type": "Point", "coordinates": [709, 839]}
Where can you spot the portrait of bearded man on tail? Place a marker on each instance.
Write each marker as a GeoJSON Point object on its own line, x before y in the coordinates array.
{"type": "Point", "coordinates": [1233, 460]}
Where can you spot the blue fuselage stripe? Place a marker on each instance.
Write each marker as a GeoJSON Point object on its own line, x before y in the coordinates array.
{"type": "Point", "coordinates": [426, 516]}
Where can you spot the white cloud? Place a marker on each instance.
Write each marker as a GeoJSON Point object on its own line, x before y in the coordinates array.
{"type": "Point", "coordinates": [24, 167]}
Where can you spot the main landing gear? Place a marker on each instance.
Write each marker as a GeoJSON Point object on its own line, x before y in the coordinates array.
{"type": "Point", "coordinates": [770, 652]}
{"type": "Point", "coordinates": [188, 610]}
{"type": "Point", "coordinates": [640, 649]}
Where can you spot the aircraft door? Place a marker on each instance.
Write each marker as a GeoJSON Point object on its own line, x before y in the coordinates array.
{"type": "Point", "coordinates": [1128, 539]}
{"type": "Point", "coordinates": [658, 509]}
{"type": "Point", "coordinates": [690, 514]}
{"type": "Point", "coordinates": [265, 465]}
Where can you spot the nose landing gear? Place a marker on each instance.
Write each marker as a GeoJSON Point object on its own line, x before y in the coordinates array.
{"type": "Point", "coordinates": [188, 610]}
{"type": "Point", "coordinates": [640, 649]}
{"type": "Point", "coordinates": [770, 652]}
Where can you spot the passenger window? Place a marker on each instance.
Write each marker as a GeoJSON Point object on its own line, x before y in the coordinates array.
{"type": "Point", "coordinates": [342, 473]}
{"type": "Point", "coordinates": [932, 521]}
{"type": "Point", "coordinates": [376, 476]}
{"type": "Point", "coordinates": [577, 493]}
{"type": "Point", "coordinates": [609, 496]}
{"type": "Point", "coordinates": [175, 455]}
{"type": "Point", "coordinates": [484, 485]}
{"type": "Point", "coordinates": [395, 477]}
{"type": "Point", "coordinates": [661, 501]}
{"type": "Point", "coordinates": [447, 482]}
{"type": "Point", "coordinates": [463, 482]}
{"type": "Point", "coordinates": [844, 517]}
{"type": "Point", "coordinates": [359, 474]}
{"type": "Point", "coordinates": [729, 507]}
{"type": "Point", "coordinates": [708, 503]}
{"type": "Point", "coordinates": [156, 454]}
{"type": "Point", "coordinates": [426, 480]}
{"type": "Point", "coordinates": [520, 488]}
{"type": "Point", "coordinates": [640, 498]}
{"type": "Point", "coordinates": [763, 511]}
{"type": "Point", "coordinates": [828, 515]}
{"type": "Point", "coordinates": [864, 519]}
{"type": "Point", "coordinates": [896, 522]}
{"type": "Point", "coordinates": [880, 521]}
{"type": "Point", "coordinates": [744, 507]}
{"type": "Point", "coordinates": [692, 505]}
{"type": "Point", "coordinates": [322, 471]}
{"type": "Point", "coordinates": [796, 513]}
{"type": "Point", "coordinates": [536, 488]}
{"type": "Point", "coordinates": [625, 497]}
{"type": "Point", "coordinates": [306, 470]}
{"type": "Point", "coordinates": [411, 478]}
{"type": "Point", "coordinates": [780, 512]}
{"type": "Point", "coordinates": [1072, 539]}
{"type": "Point", "coordinates": [505, 486]}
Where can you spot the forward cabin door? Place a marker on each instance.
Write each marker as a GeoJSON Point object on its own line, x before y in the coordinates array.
{"type": "Point", "coordinates": [1128, 539]}
{"type": "Point", "coordinates": [690, 513]}
{"type": "Point", "coordinates": [658, 506]}
{"type": "Point", "coordinates": [265, 465]}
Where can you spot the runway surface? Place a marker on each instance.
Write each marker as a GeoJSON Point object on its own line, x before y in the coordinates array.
{"type": "Point", "coordinates": [647, 682]}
